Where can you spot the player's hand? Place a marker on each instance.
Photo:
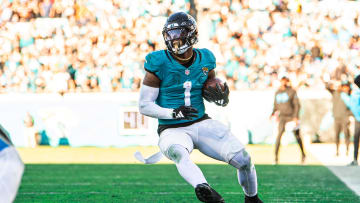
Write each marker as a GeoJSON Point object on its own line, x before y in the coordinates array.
{"type": "Point", "coordinates": [271, 117]}
{"type": "Point", "coordinates": [274, 117]}
{"type": "Point", "coordinates": [217, 95]}
{"type": "Point", "coordinates": [185, 113]}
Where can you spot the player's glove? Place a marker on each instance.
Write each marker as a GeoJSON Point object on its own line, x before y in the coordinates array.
{"type": "Point", "coordinates": [217, 95]}
{"type": "Point", "coordinates": [185, 113]}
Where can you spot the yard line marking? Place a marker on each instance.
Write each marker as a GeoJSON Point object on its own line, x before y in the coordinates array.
{"type": "Point", "coordinates": [349, 175]}
{"type": "Point", "coordinates": [61, 193]}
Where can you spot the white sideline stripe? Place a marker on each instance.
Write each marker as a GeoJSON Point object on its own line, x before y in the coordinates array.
{"type": "Point", "coordinates": [349, 175]}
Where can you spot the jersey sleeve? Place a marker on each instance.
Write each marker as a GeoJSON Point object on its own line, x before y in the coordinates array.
{"type": "Point", "coordinates": [210, 59]}
{"type": "Point", "coordinates": [153, 65]}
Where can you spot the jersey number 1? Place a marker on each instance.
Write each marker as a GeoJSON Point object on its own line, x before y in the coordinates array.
{"type": "Point", "coordinates": [187, 86]}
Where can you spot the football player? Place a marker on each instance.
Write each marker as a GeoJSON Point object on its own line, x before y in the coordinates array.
{"type": "Point", "coordinates": [11, 169]}
{"type": "Point", "coordinates": [353, 103]}
{"type": "Point", "coordinates": [172, 92]}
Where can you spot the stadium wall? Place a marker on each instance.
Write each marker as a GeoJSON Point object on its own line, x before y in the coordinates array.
{"type": "Point", "coordinates": [112, 119]}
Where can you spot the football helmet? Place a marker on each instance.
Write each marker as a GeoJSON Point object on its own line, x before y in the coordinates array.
{"type": "Point", "coordinates": [180, 32]}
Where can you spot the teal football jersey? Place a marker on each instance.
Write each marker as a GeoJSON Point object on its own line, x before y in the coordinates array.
{"type": "Point", "coordinates": [180, 85]}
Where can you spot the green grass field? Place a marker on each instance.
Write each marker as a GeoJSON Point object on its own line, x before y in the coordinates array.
{"type": "Point", "coordinates": [162, 183]}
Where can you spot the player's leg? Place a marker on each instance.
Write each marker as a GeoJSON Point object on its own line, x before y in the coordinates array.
{"type": "Point", "coordinates": [281, 130]}
{"type": "Point", "coordinates": [11, 169]}
{"type": "Point", "coordinates": [346, 130]}
{"type": "Point", "coordinates": [356, 142]}
{"type": "Point", "coordinates": [216, 140]}
{"type": "Point", "coordinates": [337, 126]}
{"type": "Point", "coordinates": [177, 145]}
{"type": "Point", "coordinates": [301, 145]}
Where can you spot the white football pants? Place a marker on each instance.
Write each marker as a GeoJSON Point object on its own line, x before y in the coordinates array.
{"type": "Point", "coordinates": [211, 137]}
{"type": "Point", "coordinates": [11, 170]}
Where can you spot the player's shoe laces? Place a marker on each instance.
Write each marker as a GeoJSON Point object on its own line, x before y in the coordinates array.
{"type": "Point", "coordinates": [206, 194]}
{"type": "Point", "coordinates": [254, 199]}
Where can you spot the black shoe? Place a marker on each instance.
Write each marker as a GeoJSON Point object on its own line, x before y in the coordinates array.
{"type": "Point", "coordinates": [206, 194]}
{"type": "Point", "coordinates": [254, 199]}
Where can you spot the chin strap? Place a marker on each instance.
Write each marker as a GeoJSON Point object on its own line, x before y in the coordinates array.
{"type": "Point", "coordinates": [181, 59]}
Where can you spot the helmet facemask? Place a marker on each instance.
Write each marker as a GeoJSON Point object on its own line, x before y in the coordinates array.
{"type": "Point", "coordinates": [180, 34]}
{"type": "Point", "coordinates": [176, 40]}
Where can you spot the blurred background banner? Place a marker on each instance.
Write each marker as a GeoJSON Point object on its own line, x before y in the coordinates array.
{"type": "Point", "coordinates": [76, 119]}
{"type": "Point", "coordinates": [112, 119]}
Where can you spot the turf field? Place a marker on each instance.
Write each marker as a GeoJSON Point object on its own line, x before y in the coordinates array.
{"type": "Point", "coordinates": [161, 183]}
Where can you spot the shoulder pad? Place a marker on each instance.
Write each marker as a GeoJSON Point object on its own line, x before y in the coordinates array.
{"type": "Point", "coordinates": [154, 61]}
{"type": "Point", "coordinates": [208, 55]}
{"type": "Point", "coordinates": [155, 58]}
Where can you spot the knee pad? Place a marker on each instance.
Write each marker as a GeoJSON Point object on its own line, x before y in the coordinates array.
{"type": "Point", "coordinates": [241, 160]}
{"type": "Point", "coordinates": [177, 152]}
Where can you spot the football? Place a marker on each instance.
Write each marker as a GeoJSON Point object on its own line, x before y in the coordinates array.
{"type": "Point", "coordinates": [212, 83]}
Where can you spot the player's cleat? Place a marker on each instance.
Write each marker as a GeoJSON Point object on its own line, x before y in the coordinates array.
{"type": "Point", "coordinates": [303, 157]}
{"type": "Point", "coordinates": [276, 161]}
{"type": "Point", "coordinates": [254, 199]}
{"type": "Point", "coordinates": [354, 163]}
{"type": "Point", "coordinates": [206, 194]}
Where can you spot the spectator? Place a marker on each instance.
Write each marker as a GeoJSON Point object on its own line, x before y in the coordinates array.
{"type": "Point", "coordinates": [31, 133]}
{"type": "Point", "coordinates": [353, 102]}
{"type": "Point", "coordinates": [287, 105]}
{"type": "Point", "coordinates": [341, 113]}
{"type": "Point", "coordinates": [112, 36]}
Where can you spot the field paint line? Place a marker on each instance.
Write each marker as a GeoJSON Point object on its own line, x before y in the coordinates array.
{"type": "Point", "coordinates": [45, 193]}
{"type": "Point", "coordinates": [110, 184]}
{"type": "Point", "coordinates": [349, 175]}
{"type": "Point", "coordinates": [95, 192]}
{"type": "Point", "coordinates": [234, 193]}
{"type": "Point", "coordinates": [61, 193]}
{"type": "Point", "coordinates": [58, 184]}
{"type": "Point", "coordinates": [168, 193]}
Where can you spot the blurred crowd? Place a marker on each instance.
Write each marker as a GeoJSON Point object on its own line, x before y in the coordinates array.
{"type": "Point", "coordinates": [91, 45]}
{"type": "Point", "coordinates": [258, 42]}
